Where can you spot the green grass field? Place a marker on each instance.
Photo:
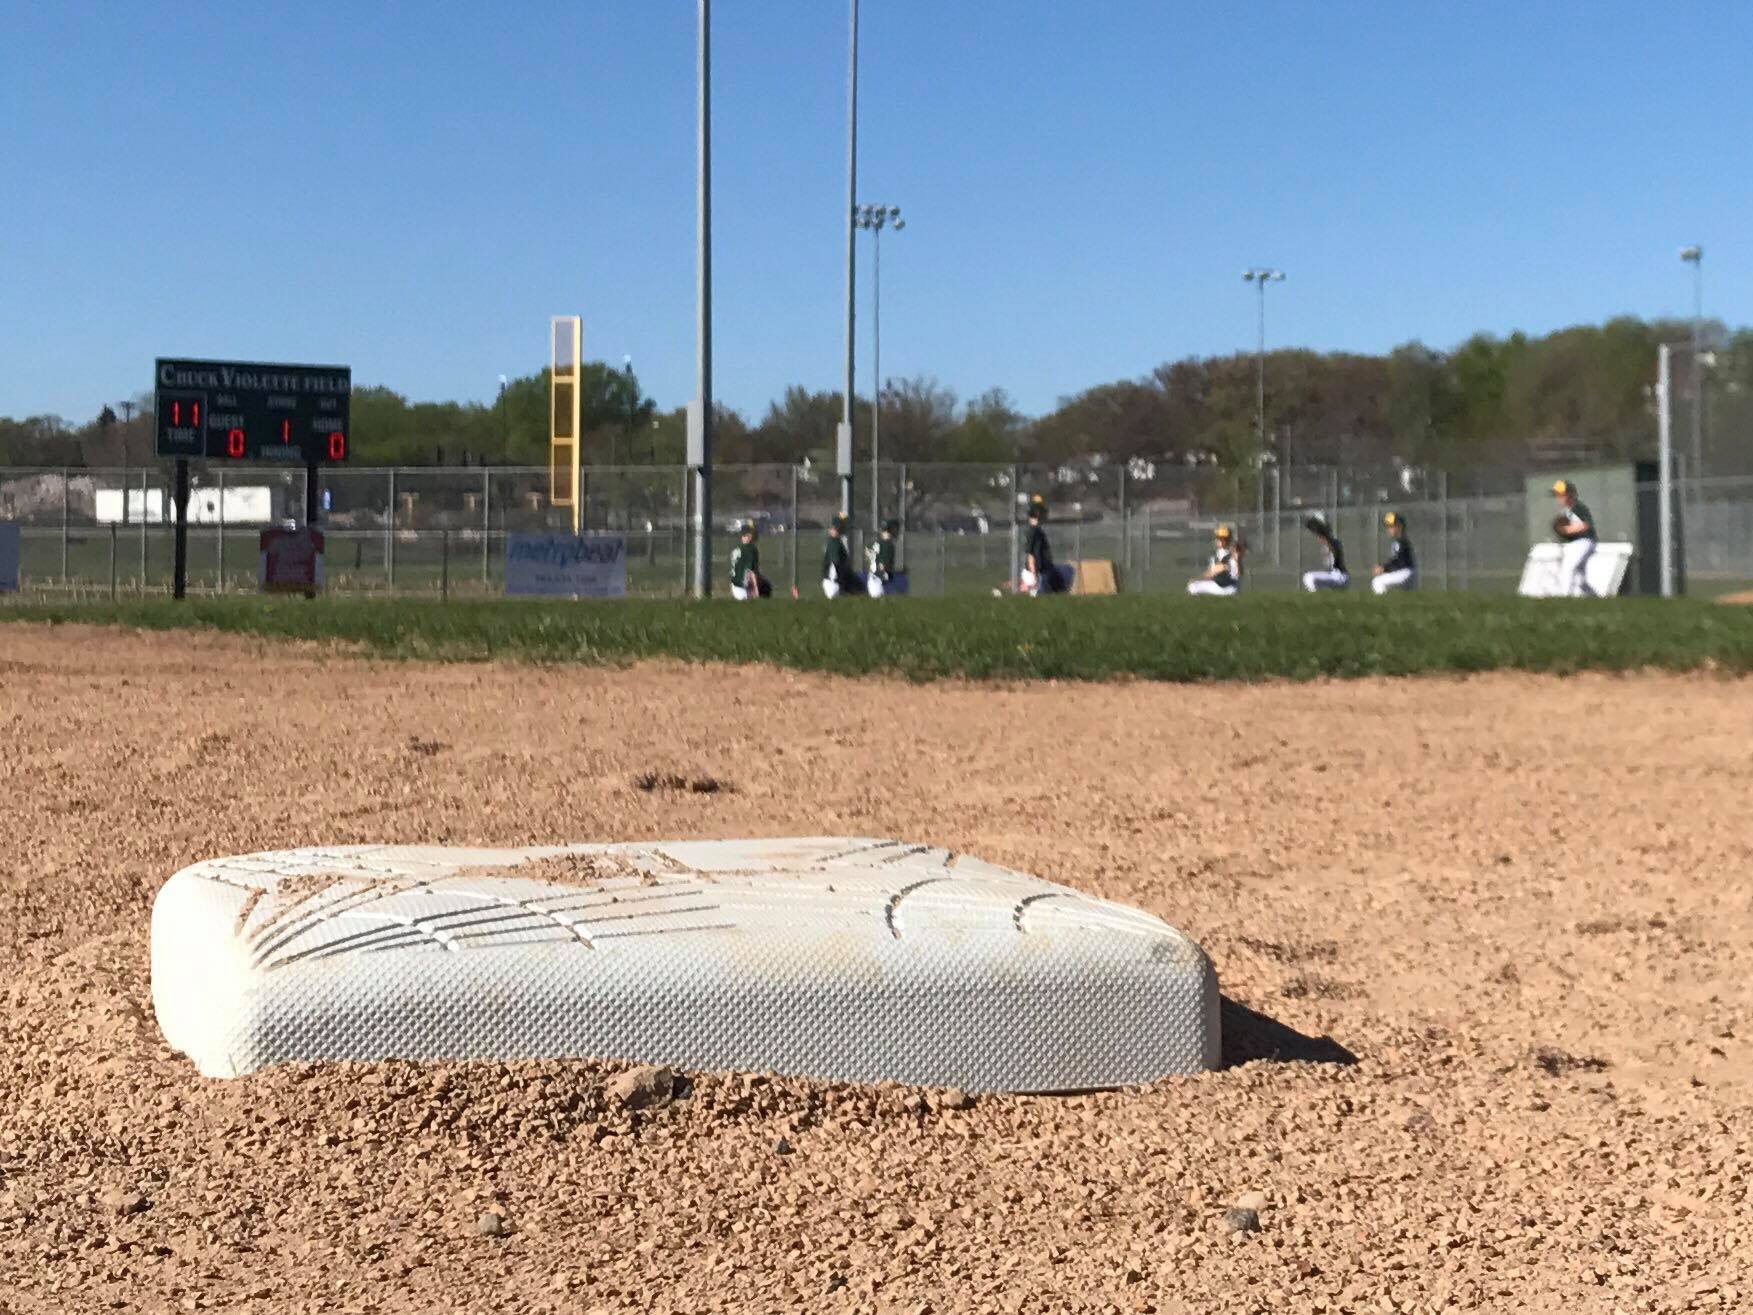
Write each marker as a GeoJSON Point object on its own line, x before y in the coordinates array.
{"type": "Point", "coordinates": [1154, 638]}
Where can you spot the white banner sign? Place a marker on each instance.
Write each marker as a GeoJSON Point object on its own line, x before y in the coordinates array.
{"type": "Point", "coordinates": [8, 558]}
{"type": "Point", "coordinates": [565, 566]}
{"type": "Point", "coordinates": [1605, 570]}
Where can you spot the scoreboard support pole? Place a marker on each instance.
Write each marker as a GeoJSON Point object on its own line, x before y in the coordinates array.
{"type": "Point", "coordinates": [312, 496]}
{"type": "Point", "coordinates": [180, 572]}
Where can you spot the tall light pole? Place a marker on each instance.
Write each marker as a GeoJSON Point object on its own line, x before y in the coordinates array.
{"type": "Point", "coordinates": [1260, 278]}
{"type": "Point", "coordinates": [700, 422]}
{"type": "Point", "coordinates": [504, 424]}
{"type": "Point", "coordinates": [1694, 256]}
{"type": "Point", "coordinates": [843, 439]}
{"type": "Point", "coordinates": [875, 218]}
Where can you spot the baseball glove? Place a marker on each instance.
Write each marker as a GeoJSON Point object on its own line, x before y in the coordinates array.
{"type": "Point", "coordinates": [1558, 524]}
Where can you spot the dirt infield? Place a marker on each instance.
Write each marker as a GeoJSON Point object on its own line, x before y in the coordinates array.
{"type": "Point", "coordinates": [1485, 943]}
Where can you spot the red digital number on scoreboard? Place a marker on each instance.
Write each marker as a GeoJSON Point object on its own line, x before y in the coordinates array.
{"type": "Point", "coordinates": [337, 447]}
{"type": "Point", "coordinates": [234, 443]}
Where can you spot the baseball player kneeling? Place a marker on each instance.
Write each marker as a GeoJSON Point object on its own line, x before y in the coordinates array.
{"type": "Point", "coordinates": [1223, 574]}
{"type": "Point", "coordinates": [746, 580]}
{"type": "Point", "coordinates": [883, 576]}
{"type": "Point", "coordinates": [1335, 576]}
{"type": "Point", "coordinates": [1575, 527]}
{"type": "Point", "coordinates": [1039, 574]}
{"type": "Point", "coordinates": [1400, 571]}
{"type": "Point", "coordinates": [838, 577]}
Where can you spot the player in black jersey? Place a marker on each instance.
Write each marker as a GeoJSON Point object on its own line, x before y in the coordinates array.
{"type": "Point", "coordinates": [1400, 571]}
{"type": "Point", "coordinates": [1575, 528]}
{"type": "Point", "coordinates": [1223, 574]}
{"type": "Point", "coordinates": [1040, 575]}
{"type": "Point", "coordinates": [1335, 575]}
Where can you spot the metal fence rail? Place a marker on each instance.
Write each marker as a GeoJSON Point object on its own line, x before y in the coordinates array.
{"type": "Point", "coordinates": [442, 531]}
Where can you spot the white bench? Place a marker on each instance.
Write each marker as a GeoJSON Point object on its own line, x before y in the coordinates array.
{"type": "Point", "coordinates": [1605, 571]}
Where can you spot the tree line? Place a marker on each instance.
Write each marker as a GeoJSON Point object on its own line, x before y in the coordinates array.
{"type": "Point", "coordinates": [1581, 392]}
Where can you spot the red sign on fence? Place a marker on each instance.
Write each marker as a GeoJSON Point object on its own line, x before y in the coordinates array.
{"type": "Point", "coordinates": [292, 562]}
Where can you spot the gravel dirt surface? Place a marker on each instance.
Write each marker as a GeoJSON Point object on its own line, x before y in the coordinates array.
{"type": "Point", "coordinates": [1484, 944]}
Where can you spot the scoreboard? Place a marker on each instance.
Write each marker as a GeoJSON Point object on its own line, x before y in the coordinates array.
{"type": "Point", "coordinates": [248, 411]}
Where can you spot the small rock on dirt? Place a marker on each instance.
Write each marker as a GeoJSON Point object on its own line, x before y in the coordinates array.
{"type": "Point", "coordinates": [1254, 1201]}
{"type": "Point", "coordinates": [125, 1203]}
{"type": "Point", "coordinates": [955, 1099]}
{"type": "Point", "coordinates": [1239, 1220]}
{"type": "Point", "coordinates": [782, 1147]}
{"type": "Point", "coordinates": [642, 1088]}
{"type": "Point", "coordinates": [491, 1224]}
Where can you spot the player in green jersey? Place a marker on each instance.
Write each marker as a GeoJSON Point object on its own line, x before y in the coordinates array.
{"type": "Point", "coordinates": [746, 580]}
{"type": "Point", "coordinates": [838, 577]}
{"type": "Point", "coordinates": [884, 575]}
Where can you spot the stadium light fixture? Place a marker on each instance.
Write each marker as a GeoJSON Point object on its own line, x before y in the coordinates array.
{"type": "Point", "coordinates": [1694, 256]}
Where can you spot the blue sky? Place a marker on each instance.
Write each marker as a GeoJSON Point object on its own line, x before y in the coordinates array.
{"type": "Point", "coordinates": [414, 190]}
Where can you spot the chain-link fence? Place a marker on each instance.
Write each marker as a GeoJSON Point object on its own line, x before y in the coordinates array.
{"type": "Point", "coordinates": [442, 531]}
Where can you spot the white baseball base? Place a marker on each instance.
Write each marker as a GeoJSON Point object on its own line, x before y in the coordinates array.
{"type": "Point", "coordinates": [834, 958]}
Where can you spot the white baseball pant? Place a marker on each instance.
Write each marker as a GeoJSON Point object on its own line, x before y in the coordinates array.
{"type": "Point", "coordinates": [1211, 588]}
{"type": "Point", "coordinates": [1573, 561]}
{"type": "Point", "coordinates": [1394, 580]}
{"type": "Point", "coordinates": [1313, 580]}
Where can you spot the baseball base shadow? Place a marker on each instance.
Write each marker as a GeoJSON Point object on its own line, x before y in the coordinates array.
{"type": "Point", "coordinates": [1249, 1035]}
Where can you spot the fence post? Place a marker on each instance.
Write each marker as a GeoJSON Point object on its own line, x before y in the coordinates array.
{"type": "Point", "coordinates": [942, 563]}
{"type": "Point", "coordinates": [444, 566]}
{"type": "Point", "coordinates": [65, 512]}
{"type": "Point", "coordinates": [113, 547]}
{"type": "Point", "coordinates": [791, 525]}
{"type": "Point", "coordinates": [486, 525]}
{"type": "Point", "coordinates": [1016, 560]}
{"type": "Point", "coordinates": [687, 572]}
{"type": "Point", "coordinates": [389, 536]}
{"type": "Point", "coordinates": [901, 538]}
{"type": "Point", "coordinates": [1278, 516]}
{"type": "Point", "coordinates": [142, 528]}
{"type": "Point", "coordinates": [1145, 581]}
{"type": "Point", "coordinates": [219, 555]}
{"type": "Point", "coordinates": [1077, 540]}
{"type": "Point", "coordinates": [1466, 543]}
{"type": "Point", "coordinates": [1443, 496]}
{"type": "Point", "coordinates": [1125, 528]}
